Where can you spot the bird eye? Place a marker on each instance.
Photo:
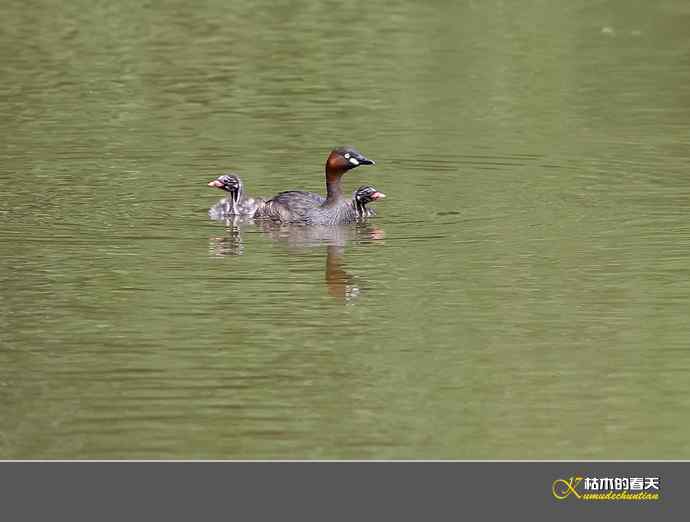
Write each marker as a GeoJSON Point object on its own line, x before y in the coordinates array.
{"type": "Point", "coordinates": [347, 155]}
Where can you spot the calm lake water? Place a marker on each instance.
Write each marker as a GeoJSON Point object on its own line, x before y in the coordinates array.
{"type": "Point", "coordinates": [523, 293]}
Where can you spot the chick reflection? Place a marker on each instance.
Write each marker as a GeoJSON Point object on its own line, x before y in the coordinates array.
{"type": "Point", "coordinates": [230, 244]}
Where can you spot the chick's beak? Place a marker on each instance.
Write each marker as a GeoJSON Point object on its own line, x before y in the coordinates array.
{"type": "Point", "coordinates": [378, 195]}
{"type": "Point", "coordinates": [215, 183]}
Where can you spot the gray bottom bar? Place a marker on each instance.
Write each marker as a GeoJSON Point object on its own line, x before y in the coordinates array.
{"type": "Point", "coordinates": [341, 491]}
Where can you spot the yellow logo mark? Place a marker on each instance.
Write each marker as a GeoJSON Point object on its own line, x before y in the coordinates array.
{"type": "Point", "coordinates": [562, 488]}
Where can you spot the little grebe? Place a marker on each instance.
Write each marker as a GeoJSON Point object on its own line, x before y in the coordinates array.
{"type": "Point", "coordinates": [306, 207]}
{"type": "Point", "coordinates": [238, 203]}
{"type": "Point", "coordinates": [362, 196]}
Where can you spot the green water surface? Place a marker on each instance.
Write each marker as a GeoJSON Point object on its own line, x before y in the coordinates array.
{"type": "Point", "coordinates": [524, 292]}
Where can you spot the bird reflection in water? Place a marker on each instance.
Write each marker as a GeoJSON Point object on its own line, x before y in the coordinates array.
{"type": "Point", "coordinates": [340, 284]}
{"type": "Point", "coordinates": [231, 243]}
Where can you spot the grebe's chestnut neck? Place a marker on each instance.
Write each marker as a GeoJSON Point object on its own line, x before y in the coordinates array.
{"type": "Point", "coordinates": [339, 161]}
